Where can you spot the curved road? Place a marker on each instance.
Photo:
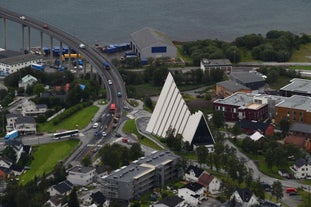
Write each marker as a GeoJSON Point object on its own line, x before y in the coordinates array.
{"type": "Point", "coordinates": [93, 56]}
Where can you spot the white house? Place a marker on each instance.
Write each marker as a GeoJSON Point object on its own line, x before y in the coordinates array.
{"type": "Point", "coordinates": [26, 81]}
{"type": "Point", "coordinates": [63, 188]}
{"type": "Point", "coordinates": [211, 183]}
{"type": "Point", "coordinates": [244, 197]}
{"type": "Point", "coordinates": [301, 169]}
{"type": "Point", "coordinates": [192, 173]}
{"type": "Point", "coordinates": [81, 175]}
{"type": "Point", "coordinates": [212, 64]}
{"type": "Point", "coordinates": [29, 108]}
{"type": "Point", "coordinates": [192, 193]}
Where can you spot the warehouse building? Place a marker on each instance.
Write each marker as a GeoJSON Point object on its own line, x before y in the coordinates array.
{"type": "Point", "coordinates": [150, 43]}
{"type": "Point", "coordinates": [297, 86]}
{"type": "Point", "coordinates": [253, 81]}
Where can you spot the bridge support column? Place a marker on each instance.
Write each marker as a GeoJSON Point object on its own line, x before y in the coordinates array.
{"type": "Point", "coordinates": [51, 50]}
{"type": "Point", "coordinates": [60, 53]}
{"type": "Point", "coordinates": [23, 39]}
{"type": "Point", "coordinates": [41, 42]}
{"type": "Point", "coordinates": [91, 74]}
{"type": "Point", "coordinates": [4, 33]}
{"type": "Point", "coordinates": [69, 58]}
{"type": "Point", "coordinates": [29, 39]}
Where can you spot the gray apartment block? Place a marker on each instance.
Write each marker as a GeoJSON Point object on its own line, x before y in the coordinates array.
{"type": "Point", "coordinates": [141, 175]}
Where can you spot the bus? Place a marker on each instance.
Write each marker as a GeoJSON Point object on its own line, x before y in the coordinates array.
{"type": "Point", "coordinates": [66, 134]}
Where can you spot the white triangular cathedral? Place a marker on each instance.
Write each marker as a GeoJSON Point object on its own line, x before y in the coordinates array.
{"type": "Point", "coordinates": [171, 112]}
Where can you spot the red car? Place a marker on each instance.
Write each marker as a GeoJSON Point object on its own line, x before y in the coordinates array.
{"type": "Point", "coordinates": [124, 140]}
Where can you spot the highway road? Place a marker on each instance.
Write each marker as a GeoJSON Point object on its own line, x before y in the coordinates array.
{"type": "Point", "coordinates": [94, 57]}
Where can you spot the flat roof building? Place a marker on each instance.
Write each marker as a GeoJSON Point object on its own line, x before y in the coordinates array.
{"type": "Point", "coordinates": [297, 86]}
{"type": "Point", "coordinates": [141, 176]}
{"type": "Point", "coordinates": [229, 87]}
{"type": "Point", "coordinates": [251, 80]}
{"type": "Point", "coordinates": [212, 64]}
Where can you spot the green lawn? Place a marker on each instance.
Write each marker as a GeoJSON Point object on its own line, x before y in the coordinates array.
{"type": "Point", "coordinates": [80, 119]}
{"type": "Point", "coordinates": [300, 67]}
{"type": "Point", "coordinates": [46, 156]}
{"type": "Point", "coordinates": [302, 54]}
{"type": "Point", "coordinates": [130, 128]}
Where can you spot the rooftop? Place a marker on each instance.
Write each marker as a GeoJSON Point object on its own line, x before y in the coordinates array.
{"type": "Point", "coordinates": [247, 77]}
{"type": "Point", "coordinates": [79, 169]}
{"type": "Point", "coordinates": [240, 99]}
{"type": "Point", "coordinates": [298, 85]}
{"type": "Point", "coordinates": [232, 85]}
{"type": "Point", "coordinates": [297, 102]}
{"type": "Point", "coordinates": [216, 62]}
{"type": "Point", "coordinates": [193, 186]}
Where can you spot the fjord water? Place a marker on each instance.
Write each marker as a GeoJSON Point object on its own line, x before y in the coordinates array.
{"type": "Point", "coordinates": [112, 21]}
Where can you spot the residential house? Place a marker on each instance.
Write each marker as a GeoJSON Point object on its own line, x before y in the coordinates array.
{"type": "Point", "coordinates": [229, 87]}
{"type": "Point", "coordinates": [79, 175]}
{"type": "Point", "coordinates": [29, 108]}
{"type": "Point", "coordinates": [241, 106]}
{"type": "Point", "coordinates": [17, 170]}
{"type": "Point", "coordinates": [251, 126]}
{"type": "Point", "coordinates": [192, 193]}
{"type": "Point", "coordinates": [26, 125]}
{"type": "Point", "coordinates": [213, 64]}
{"type": "Point", "coordinates": [300, 129]}
{"type": "Point", "coordinates": [244, 197]}
{"type": "Point", "coordinates": [5, 162]}
{"type": "Point", "coordinates": [192, 173]}
{"type": "Point", "coordinates": [210, 182]}
{"type": "Point", "coordinates": [301, 168]}
{"type": "Point", "coordinates": [170, 201]}
{"type": "Point", "coordinates": [26, 81]}
{"type": "Point", "coordinates": [18, 148]}
{"type": "Point", "coordinates": [98, 198]}
{"type": "Point", "coordinates": [63, 188]}
{"type": "Point", "coordinates": [55, 201]}
{"type": "Point", "coordinates": [251, 80]}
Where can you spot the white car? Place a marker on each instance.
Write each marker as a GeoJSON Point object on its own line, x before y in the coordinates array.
{"type": "Point", "coordinates": [95, 125]}
{"type": "Point", "coordinates": [109, 82]}
{"type": "Point", "coordinates": [82, 46]}
{"type": "Point", "coordinates": [104, 134]}
{"type": "Point", "coordinates": [22, 17]}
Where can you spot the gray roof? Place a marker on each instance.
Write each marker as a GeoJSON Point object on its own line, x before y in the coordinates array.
{"type": "Point", "coordinates": [25, 119]}
{"type": "Point", "coordinates": [300, 162]}
{"type": "Point", "coordinates": [301, 127]}
{"type": "Point", "coordinates": [142, 165]}
{"type": "Point", "coordinates": [81, 169]}
{"type": "Point", "coordinates": [19, 59]}
{"type": "Point", "coordinates": [9, 53]}
{"type": "Point", "coordinates": [171, 201]}
{"type": "Point", "coordinates": [247, 77]}
{"type": "Point", "coordinates": [237, 99]}
{"type": "Point", "coordinates": [298, 85]}
{"type": "Point", "coordinates": [41, 106]}
{"type": "Point", "coordinates": [148, 37]}
{"type": "Point", "coordinates": [13, 115]}
{"type": "Point", "coordinates": [216, 62]}
{"type": "Point", "coordinates": [193, 186]}
{"type": "Point", "coordinates": [297, 102]}
{"type": "Point", "coordinates": [232, 85]}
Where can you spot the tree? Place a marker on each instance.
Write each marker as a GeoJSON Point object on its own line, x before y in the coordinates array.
{"type": "Point", "coordinates": [136, 151]}
{"type": "Point", "coordinates": [87, 161]}
{"type": "Point", "coordinates": [59, 173]}
{"type": "Point", "coordinates": [277, 190]}
{"type": "Point", "coordinates": [148, 103]}
{"type": "Point", "coordinates": [284, 126]}
{"type": "Point", "coordinates": [73, 199]}
{"type": "Point", "coordinates": [218, 118]}
{"type": "Point", "coordinates": [202, 154]}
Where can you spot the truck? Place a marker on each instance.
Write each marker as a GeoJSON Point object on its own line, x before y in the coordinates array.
{"type": "Point", "coordinates": [11, 135]}
{"type": "Point", "coordinates": [37, 66]}
{"type": "Point", "coordinates": [112, 107]}
{"type": "Point", "coordinates": [73, 56]}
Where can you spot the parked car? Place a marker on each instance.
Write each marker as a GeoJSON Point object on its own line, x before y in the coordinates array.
{"type": "Point", "coordinates": [104, 134]}
{"type": "Point", "coordinates": [124, 140]}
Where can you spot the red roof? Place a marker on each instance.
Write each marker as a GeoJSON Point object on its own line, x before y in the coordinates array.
{"type": "Point", "coordinates": [296, 140]}
{"type": "Point", "coordinates": [205, 179]}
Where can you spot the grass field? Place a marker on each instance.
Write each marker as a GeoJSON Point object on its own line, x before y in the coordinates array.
{"type": "Point", "coordinates": [46, 156]}
{"type": "Point", "coordinates": [79, 120]}
{"type": "Point", "coordinates": [130, 128]}
{"type": "Point", "coordinates": [302, 54]}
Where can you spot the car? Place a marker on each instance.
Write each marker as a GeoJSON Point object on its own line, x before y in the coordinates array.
{"type": "Point", "coordinates": [119, 94]}
{"type": "Point", "coordinates": [95, 125]}
{"type": "Point", "coordinates": [82, 46]}
{"type": "Point", "coordinates": [104, 134]}
{"type": "Point", "coordinates": [109, 82]}
{"type": "Point", "coordinates": [124, 140]}
{"type": "Point", "coordinates": [22, 17]}
{"type": "Point", "coordinates": [118, 135]}
{"type": "Point", "coordinates": [45, 26]}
